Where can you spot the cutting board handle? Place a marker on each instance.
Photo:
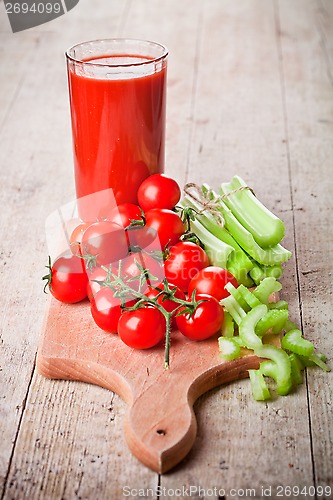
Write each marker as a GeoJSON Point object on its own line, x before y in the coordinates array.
{"type": "Point", "coordinates": [160, 425]}
{"type": "Point", "coordinates": [160, 428]}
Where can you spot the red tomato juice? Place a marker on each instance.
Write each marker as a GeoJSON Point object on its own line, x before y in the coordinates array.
{"type": "Point", "coordinates": [118, 127]}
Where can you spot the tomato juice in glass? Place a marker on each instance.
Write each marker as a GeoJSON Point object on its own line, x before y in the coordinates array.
{"type": "Point", "coordinates": [117, 94]}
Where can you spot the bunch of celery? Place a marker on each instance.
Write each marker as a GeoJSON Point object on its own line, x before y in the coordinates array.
{"type": "Point", "coordinates": [238, 232]}
{"type": "Point", "coordinates": [249, 317]}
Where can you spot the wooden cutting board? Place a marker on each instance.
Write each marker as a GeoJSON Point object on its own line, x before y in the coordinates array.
{"type": "Point", "coordinates": [160, 425]}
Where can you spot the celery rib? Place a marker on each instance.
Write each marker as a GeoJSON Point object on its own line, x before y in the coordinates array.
{"type": "Point", "coordinates": [239, 264]}
{"type": "Point", "coordinates": [218, 252]}
{"type": "Point", "coordinates": [266, 228]}
{"type": "Point", "coordinates": [269, 256]}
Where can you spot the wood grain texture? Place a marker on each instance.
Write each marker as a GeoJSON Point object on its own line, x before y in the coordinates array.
{"type": "Point", "coordinates": [250, 87]}
{"type": "Point", "coordinates": [160, 426]}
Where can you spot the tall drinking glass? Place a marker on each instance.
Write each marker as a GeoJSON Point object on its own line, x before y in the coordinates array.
{"type": "Point", "coordinates": [117, 90]}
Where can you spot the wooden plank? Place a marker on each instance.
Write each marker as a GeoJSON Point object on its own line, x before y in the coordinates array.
{"type": "Point", "coordinates": [38, 178]}
{"type": "Point", "coordinates": [308, 100]}
{"type": "Point", "coordinates": [14, 65]}
{"type": "Point", "coordinates": [75, 429]}
{"type": "Point", "coordinates": [238, 127]}
{"type": "Point", "coordinates": [36, 157]}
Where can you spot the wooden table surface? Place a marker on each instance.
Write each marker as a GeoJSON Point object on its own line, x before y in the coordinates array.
{"type": "Point", "coordinates": [250, 91]}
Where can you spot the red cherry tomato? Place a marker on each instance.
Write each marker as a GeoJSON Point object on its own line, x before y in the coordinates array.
{"type": "Point", "coordinates": [130, 268]}
{"type": "Point", "coordinates": [142, 328]}
{"type": "Point", "coordinates": [106, 309]}
{"type": "Point", "coordinates": [212, 281]}
{"type": "Point", "coordinates": [124, 214]}
{"type": "Point", "coordinates": [103, 243]}
{"type": "Point", "coordinates": [75, 238]}
{"type": "Point", "coordinates": [68, 280]}
{"type": "Point", "coordinates": [158, 191]}
{"type": "Point", "coordinates": [206, 320]}
{"type": "Point", "coordinates": [144, 237]}
{"type": "Point", "coordinates": [168, 225]}
{"type": "Point", "coordinates": [184, 261]}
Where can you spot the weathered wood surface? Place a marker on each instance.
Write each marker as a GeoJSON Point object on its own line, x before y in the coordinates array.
{"type": "Point", "coordinates": [250, 90]}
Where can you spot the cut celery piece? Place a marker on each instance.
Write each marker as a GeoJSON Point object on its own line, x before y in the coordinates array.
{"type": "Point", "coordinates": [229, 349]}
{"type": "Point", "coordinates": [237, 295]}
{"type": "Point", "coordinates": [317, 360]}
{"type": "Point", "coordinates": [310, 363]}
{"type": "Point", "coordinates": [273, 271]}
{"type": "Point", "coordinates": [218, 252]}
{"type": "Point", "coordinates": [266, 288]}
{"type": "Point", "coordinates": [266, 228]}
{"type": "Point", "coordinates": [294, 341]}
{"type": "Point", "coordinates": [258, 273]}
{"type": "Point", "coordinates": [280, 304]}
{"type": "Point", "coordinates": [277, 367]}
{"type": "Point", "coordinates": [260, 391]}
{"type": "Point", "coordinates": [269, 257]}
{"type": "Point", "coordinates": [296, 369]}
{"type": "Point", "coordinates": [248, 296]}
{"type": "Point", "coordinates": [239, 341]}
{"type": "Point", "coordinates": [228, 327]}
{"type": "Point", "coordinates": [233, 308]}
{"type": "Point", "coordinates": [273, 320]}
{"type": "Point", "coordinates": [248, 324]}
{"type": "Point", "coordinates": [290, 326]}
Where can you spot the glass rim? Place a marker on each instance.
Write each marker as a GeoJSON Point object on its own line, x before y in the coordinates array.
{"type": "Point", "coordinates": [115, 65]}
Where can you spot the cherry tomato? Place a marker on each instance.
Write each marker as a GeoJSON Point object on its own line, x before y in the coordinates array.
{"type": "Point", "coordinates": [168, 225]}
{"type": "Point", "coordinates": [212, 281]}
{"type": "Point", "coordinates": [75, 238]}
{"type": "Point", "coordinates": [67, 280]}
{"type": "Point", "coordinates": [103, 243]}
{"type": "Point", "coordinates": [142, 328]}
{"type": "Point", "coordinates": [124, 214]}
{"type": "Point", "coordinates": [106, 309]}
{"type": "Point", "coordinates": [130, 268]}
{"type": "Point", "coordinates": [144, 237]}
{"type": "Point", "coordinates": [158, 191]}
{"type": "Point", "coordinates": [184, 261]}
{"type": "Point", "coordinates": [206, 320]}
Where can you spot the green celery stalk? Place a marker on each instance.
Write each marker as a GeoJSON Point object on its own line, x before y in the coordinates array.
{"type": "Point", "coordinates": [229, 349]}
{"type": "Point", "coordinates": [248, 324]}
{"type": "Point", "coordinates": [268, 257]}
{"type": "Point", "coordinates": [296, 369]}
{"type": "Point", "coordinates": [260, 391]}
{"type": "Point", "coordinates": [218, 252]}
{"type": "Point", "coordinates": [235, 292]}
{"type": "Point", "coordinates": [233, 308]}
{"type": "Point", "coordinates": [280, 304]}
{"type": "Point", "coordinates": [295, 342]}
{"type": "Point", "coordinates": [258, 272]}
{"type": "Point", "coordinates": [315, 359]}
{"type": "Point", "coordinates": [277, 367]}
{"type": "Point", "coordinates": [266, 288]}
{"type": "Point", "coordinates": [273, 271]}
{"type": "Point", "coordinates": [248, 296]}
{"type": "Point", "coordinates": [274, 320]}
{"type": "Point", "coordinates": [239, 263]}
{"type": "Point", "coordinates": [228, 327]}
{"type": "Point", "coordinates": [265, 227]}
